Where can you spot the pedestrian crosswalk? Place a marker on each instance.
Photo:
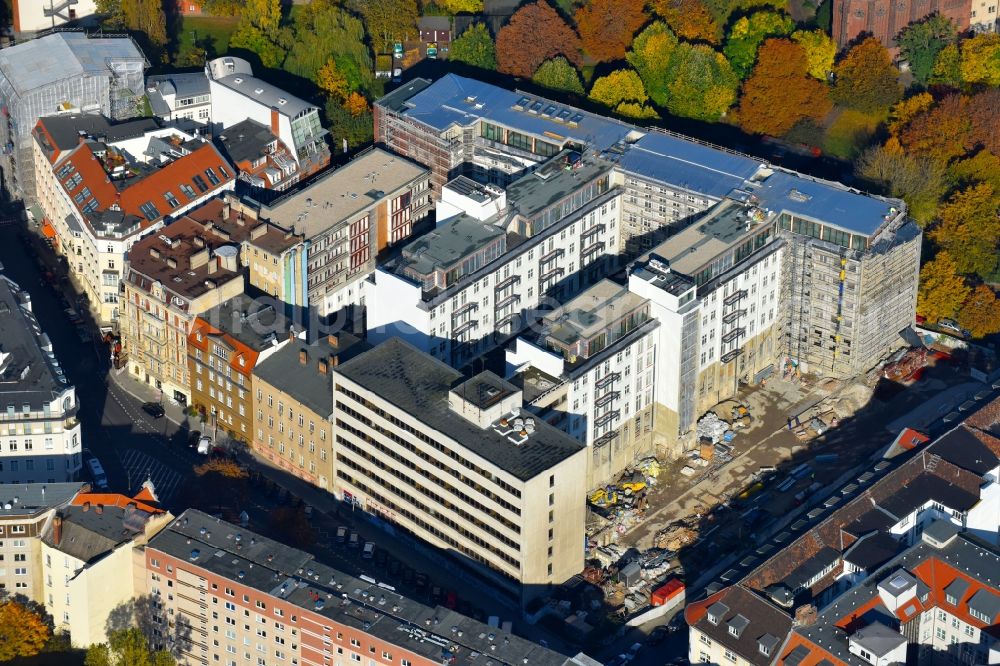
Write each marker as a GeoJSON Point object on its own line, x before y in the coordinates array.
{"type": "Point", "coordinates": [140, 466]}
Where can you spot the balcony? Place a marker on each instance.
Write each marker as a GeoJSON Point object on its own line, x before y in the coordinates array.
{"type": "Point", "coordinates": [551, 256]}
{"type": "Point", "coordinates": [606, 399]}
{"type": "Point", "coordinates": [596, 247]}
{"type": "Point", "coordinates": [733, 316]}
{"type": "Point", "coordinates": [513, 299]}
{"type": "Point", "coordinates": [735, 297]}
{"type": "Point", "coordinates": [507, 283]}
{"type": "Point", "coordinates": [467, 326]}
{"type": "Point", "coordinates": [464, 310]}
{"type": "Point", "coordinates": [730, 355]}
{"type": "Point", "coordinates": [607, 380]}
{"type": "Point", "coordinates": [554, 274]}
{"type": "Point", "coordinates": [733, 335]}
{"type": "Point", "coordinates": [596, 229]}
{"type": "Point", "coordinates": [606, 419]}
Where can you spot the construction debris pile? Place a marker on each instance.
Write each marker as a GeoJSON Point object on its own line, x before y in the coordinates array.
{"type": "Point", "coordinates": [904, 365]}
{"type": "Point", "coordinates": [715, 437]}
{"type": "Point", "coordinates": [622, 504]}
{"type": "Point", "coordinates": [627, 578]}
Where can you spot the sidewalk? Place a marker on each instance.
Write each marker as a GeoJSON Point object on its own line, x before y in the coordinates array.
{"type": "Point", "coordinates": [173, 411]}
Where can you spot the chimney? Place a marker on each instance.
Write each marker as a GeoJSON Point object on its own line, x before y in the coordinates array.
{"type": "Point", "coordinates": [154, 253]}
{"type": "Point", "coordinates": [322, 366]}
{"type": "Point", "coordinates": [332, 340]}
{"type": "Point", "coordinates": [56, 529]}
{"type": "Point", "coordinates": [303, 356]}
{"type": "Point", "coordinates": [199, 241]}
{"type": "Point", "coordinates": [99, 509]}
{"type": "Point", "coordinates": [226, 208]}
{"type": "Point", "coordinates": [86, 506]}
{"type": "Point", "coordinates": [805, 616]}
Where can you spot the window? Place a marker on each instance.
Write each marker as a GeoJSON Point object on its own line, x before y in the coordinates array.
{"type": "Point", "coordinates": [730, 655]}
{"type": "Point", "coordinates": [188, 191]}
{"type": "Point", "coordinates": [171, 199]}
{"type": "Point", "coordinates": [210, 172]}
{"type": "Point", "coordinates": [200, 183]}
{"type": "Point", "coordinates": [150, 211]}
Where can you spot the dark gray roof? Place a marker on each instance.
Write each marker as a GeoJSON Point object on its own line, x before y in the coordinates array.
{"type": "Point", "coordinates": [957, 589]}
{"type": "Point", "coordinates": [961, 447]}
{"type": "Point", "coordinates": [434, 23]}
{"type": "Point", "coordinates": [246, 140]}
{"type": "Point", "coordinates": [364, 605]}
{"type": "Point", "coordinates": [924, 488]}
{"type": "Point", "coordinates": [872, 550]}
{"type": "Point", "coordinates": [28, 374]}
{"type": "Point", "coordinates": [795, 657]}
{"type": "Point", "coordinates": [255, 324]}
{"type": "Point", "coordinates": [66, 130]}
{"type": "Point", "coordinates": [878, 639]}
{"type": "Point", "coordinates": [811, 567]}
{"type": "Point", "coordinates": [986, 603]}
{"type": "Point", "coordinates": [941, 531]}
{"type": "Point", "coordinates": [28, 499]}
{"type": "Point", "coordinates": [90, 532]}
{"type": "Point", "coordinates": [419, 384]}
{"type": "Point", "coordinates": [764, 619]}
{"type": "Point", "coordinates": [304, 382]}
{"type": "Point", "coordinates": [180, 84]}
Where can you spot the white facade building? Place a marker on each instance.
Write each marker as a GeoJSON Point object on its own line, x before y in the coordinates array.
{"type": "Point", "coordinates": [471, 283]}
{"type": "Point", "coordinates": [40, 439]}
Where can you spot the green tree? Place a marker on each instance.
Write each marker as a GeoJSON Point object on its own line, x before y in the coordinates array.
{"type": "Point", "coordinates": [969, 230]}
{"type": "Point", "coordinates": [461, 6]}
{"type": "Point", "coordinates": [947, 67]}
{"type": "Point", "coordinates": [253, 39]}
{"type": "Point", "coordinates": [983, 167]}
{"type": "Point", "coordinates": [921, 42]}
{"type": "Point", "coordinates": [388, 21]}
{"type": "Point", "coordinates": [820, 51]}
{"type": "Point", "coordinates": [475, 47]}
{"type": "Point", "coordinates": [942, 290]}
{"type": "Point", "coordinates": [23, 632]}
{"type": "Point", "coordinates": [344, 125]}
{"type": "Point", "coordinates": [980, 313]}
{"type": "Point", "coordinates": [112, 11]}
{"type": "Point", "coordinates": [559, 74]}
{"type": "Point", "coordinates": [748, 33]}
{"type": "Point", "coordinates": [146, 17]}
{"type": "Point", "coordinates": [700, 82]}
{"type": "Point", "coordinates": [325, 31]}
{"type": "Point", "coordinates": [981, 59]}
{"type": "Point", "coordinates": [127, 647]}
{"type": "Point", "coordinates": [919, 181]}
{"type": "Point", "coordinates": [866, 79]}
{"type": "Point", "coordinates": [622, 90]}
{"type": "Point", "coordinates": [263, 14]}
{"type": "Point", "coordinates": [650, 56]}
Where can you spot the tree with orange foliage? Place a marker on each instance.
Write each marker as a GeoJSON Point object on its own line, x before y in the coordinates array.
{"type": "Point", "coordinates": [780, 91]}
{"type": "Point", "coordinates": [980, 314]}
{"type": "Point", "coordinates": [332, 81]}
{"type": "Point", "coordinates": [903, 112]}
{"type": "Point", "coordinates": [689, 19]}
{"type": "Point", "coordinates": [607, 27]}
{"type": "Point", "coordinates": [983, 110]}
{"type": "Point", "coordinates": [941, 132]}
{"type": "Point", "coordinates": [222, 466]}
{"type": "Point", "coordinates": [942, 290]}
{"type": "Point", "coordinates": [866, 79]}
{"type": "Point", "coordinates": [356, 104]}
{"type": "Point", "coordinates": [23, 633]}
{"type": "Point", "coordinates": [535, 33]}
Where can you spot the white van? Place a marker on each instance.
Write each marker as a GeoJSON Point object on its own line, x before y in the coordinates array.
{"type": "Point", "coordinates": [97, 473]}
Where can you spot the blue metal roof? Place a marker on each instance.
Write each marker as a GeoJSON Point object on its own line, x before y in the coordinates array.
{"type": "Point", "coordinates": [457, 100]}
{"type": "Point", "coordinates": [826, 202]}
{"type": "Point", "coordinates": [680, 162]}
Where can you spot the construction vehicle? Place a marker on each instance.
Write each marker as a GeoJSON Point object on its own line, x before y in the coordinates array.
{"type": "Point", "coordinates": [632, 487]}
{"type": "Point", "coordinates": [604, 497]}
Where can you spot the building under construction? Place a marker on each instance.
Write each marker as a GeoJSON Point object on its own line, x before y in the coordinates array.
{"type": "Point", "coordinates": [64, 72]}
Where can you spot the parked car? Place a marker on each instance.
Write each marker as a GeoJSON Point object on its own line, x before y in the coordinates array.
{"type": "Point", "coordinates": [368, 552]}
{"type": "Point", "coordinates": [205, 445]}
{"type": "Point", "coordinates": [154, 409]}
{"type": "Point", "coordinates": [353, 541]}
{"type": "Point", "coordinates": [341, 534]}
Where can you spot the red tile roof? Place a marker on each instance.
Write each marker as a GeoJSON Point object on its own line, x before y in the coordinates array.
{"type": "Point", "coordinates": [116, 500]}
{"type": "Point", "coordinates": [242, 351]}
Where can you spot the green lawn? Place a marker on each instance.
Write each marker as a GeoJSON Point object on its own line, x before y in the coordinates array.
{"type": "Point", "coordinates": [208, 32]}
{"type": "Point", "coordinates": [850, 133]}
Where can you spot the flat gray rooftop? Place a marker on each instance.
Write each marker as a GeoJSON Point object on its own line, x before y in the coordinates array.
{"type": "Point", "coordinates": [439, 634]}
{"type": "Point", "coordinates": [552, 182]}
{"type": "Point", "coordinates": [419, 384]}
{"type": "Point", "coordinates": [449, 243]}
{"type": "Point", "coordinates": [722, 228]}
{"type": "Point", "coordinates": [266, 93]}
{"type": "Point", "coordinates": [28, 499]}
{"type": "Point", "coordinates": [343, 193]}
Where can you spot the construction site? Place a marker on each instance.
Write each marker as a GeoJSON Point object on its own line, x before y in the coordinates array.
{"type": "Point", "coordinates": [758, 459]}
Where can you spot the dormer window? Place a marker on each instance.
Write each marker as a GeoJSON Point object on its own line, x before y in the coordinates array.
{"type": "Point", "coordinates": [716, 612]}
{"type": "Point", "coordinates": [766, 644]}
{"type": "Point", "coordinates": [737, 625]}
{"type": "Point", "coordinates": [733, 631]}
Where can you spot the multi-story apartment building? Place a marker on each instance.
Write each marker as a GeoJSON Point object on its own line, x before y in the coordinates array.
{"type": "Point", "coordinates": [983, 16]}
{"type": "Point", "coordinates": [236, 94]}
{"type": "Point", "coordinates": [475, 280]}
{"type": "Point", "coordinates": [590, 371]}
{"type": "Point", "coordinates": [224, 346]}
{"type": "Point", "coordinates": [459, 126]}
{"type": "Point", "coordinates": [261, 158]}
{"type": "Point", "coordinates": [180, 96]}
{"type": "Point", "coordinates": [102, 196]}
{"type": "Point", "coordinates": [172, 277]}
{"type": "Point", "coordinates": [91, 567]}
{"type": "Point", "coordinates": [40, 436]}
{"type": "Point", "coordinates": [26, 509]}
{"type": "Point", "coordinates": [347, 217]}
{"type": "Point", "coordinates": [293, 406]}
{"type": "Point", "coordinates": [261, 602]}
{"type": "Point", "coordinates": [454, 461]}
{"type": "Point", "coordinates": [904, 571]}
{"type": "Point", "coordinates": [62, 71]}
